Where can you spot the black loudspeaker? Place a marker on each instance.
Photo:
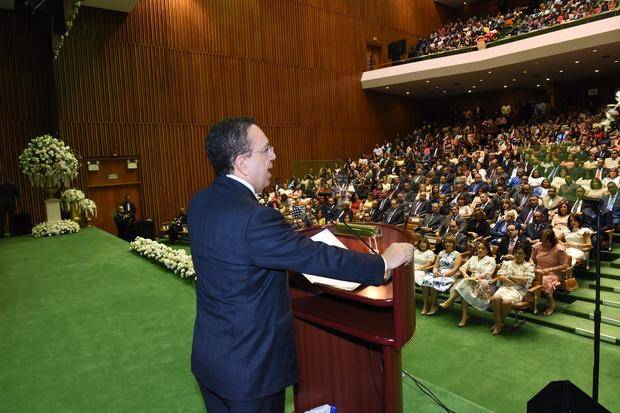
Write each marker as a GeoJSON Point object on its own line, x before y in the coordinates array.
{"type": "Point", "coordinates": [397, 49]}
{"type": "Point", "coordinates": [561, 397]}
{"type": "Point", "coordinates": [21, 224]}
{"type": "Point", "coordinates": [145, 228]}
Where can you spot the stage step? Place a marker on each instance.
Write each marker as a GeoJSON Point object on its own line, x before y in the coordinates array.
{"type": "Point", "coordinates": [586, 294]}
{"type": "Point", "coordinates": [577, 325]}
{"type": "Point", "coordinates": [584, 309]}
{"type": "Point", "coordinates": [607, 284]}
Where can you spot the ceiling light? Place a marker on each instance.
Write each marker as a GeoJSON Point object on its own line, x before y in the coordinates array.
{"type": "Point", "coordinates": [436, 87]}
{"type": "Point", "coordinates": [490, 71]}
{"type": "Point", "coordinates": [474, 86]}
{"type": "Point", "coordinates": [481, 80]}
{"type": "Point", "coordinates": [596, 70]}
{"type": "Point", "coordinates": [514, 80]}
{"type": "Point", "coordinates": [548, 79]}
{"type": "Point", "coordinates": [428, 81]}
{"type": "Point", "coordinates": [537, 85]}
{"type": "Point", "coordinates": [445, 91]}
{"type": "Point", "coordinates": [594, 50]}
{"type": "Point", "coordinates": [525, 71]}
{"type": "Point", "coordinates": [407, 92]}
{"type": "Point", "coordinates": [387, 87]}
{"type": "Point", "coordinates": [616, 61]}
{"type": "Point", "coordinates": [469, 91]}
{"type": "Point", "coordinates": [505, 86]}
{"type": "Point", "coordinates": [576, 62]}
{"type": "Point", "coordinates": [561, 71]}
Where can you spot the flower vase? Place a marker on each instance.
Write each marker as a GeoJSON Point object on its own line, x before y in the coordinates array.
{"type": "Point", "coordinates": [73, 210]}
{"type": "Point", "coordinates": [52, 204]}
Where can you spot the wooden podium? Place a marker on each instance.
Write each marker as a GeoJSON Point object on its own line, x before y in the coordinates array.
{"type": "Point", "coordinates": [348, 342]}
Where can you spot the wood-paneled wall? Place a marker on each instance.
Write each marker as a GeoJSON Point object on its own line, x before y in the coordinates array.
{"type": "Point", "coordinates": [151, 83]}
{"type": "Point", "coordinates": [27, 102]}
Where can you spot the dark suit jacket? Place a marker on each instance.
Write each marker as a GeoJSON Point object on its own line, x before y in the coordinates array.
{"type": "Point", "coordinates": [419, 207]}
{"type": "Point", "coordinates": [532, 232]}
{"type": "Point", "coordinates": [243, 345]}
{"type": "Point", "coordinates": [482, 228]}
{"type": "Point", "coordinates": [475, 187]}
{"type": "Point", "coordinates": [398, 217]}
{"type": "Point", "coordinates": [526, 212]}
{"type": "Point", "coordinates": [505, 243]}
{"type": "Point", "coordinates": [433, 221]}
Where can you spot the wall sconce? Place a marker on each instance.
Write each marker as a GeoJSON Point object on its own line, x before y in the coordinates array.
{"type": "Point", "coordinates": [132, 164]}
{"type": "Point", "coordinates": [92, 166]}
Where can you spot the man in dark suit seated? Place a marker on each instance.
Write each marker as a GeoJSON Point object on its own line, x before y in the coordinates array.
{"type": "Point", "coordinates": [534, 228]}
{"type": "Point", "coordinates": [375, 213]}
{"type": "Point", "coordinates": [500, 229]}
{"type": "Point", "coordinates": [395, 214]}
{"type": "Point", "coordinates": [444, 228]}
{"type": "Point", "coordinates": [527, 214]}
{"type": "Point", "coordinates": [511, 241]}
{"type": "Point", "coordinates": [331, 211]}
{"type": "Point", "coordinates": [461, 237]}
{"type": "Point", "coordinates": [243, 353]}
{"type": "Point", "coordinates": [431, 222]}
{"type": "Point", "coordinates": [177, 226]}
{"type": "Point", "coordinates": [345, 212]}
{"type": "Point", "coordinates": [611, 204]}
{"type": "Point", "coordinates": [477, 185]}
{"type": "Point", "coordinates": [420, 206]}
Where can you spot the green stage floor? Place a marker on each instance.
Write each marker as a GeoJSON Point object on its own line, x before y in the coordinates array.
{"type": "Point", "coordinates": [85, 325]}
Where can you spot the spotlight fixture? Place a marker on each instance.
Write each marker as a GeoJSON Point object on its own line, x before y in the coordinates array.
{"type": "Point", "coordinates": [616, 61]}
{"type": "Point", "coordinates": [537, 85]}
{"type": "Point", "coordinates": [474, 86]}
{"type": "Point", "coordinates": [505, 86]}
{"type": "Point", "coordinates": [436, 87]}
{"type": "Point", "coordinates": [594, 50]}
{"type": "Point", "coordinates": [548, 79]}
{"type": "Point", "coordinates": [596, 70]}
{"type": "Point", "coordinates": [481, 80]}
{"type": "Point", "coordinates": [387, 87]}
{"type": "Point", "coordinates": [444, 91]}
{"type": "Point", "coordinates": [525, 71]}
{"type": "Point", "coordinates": [469, 91]}
{"type": "Point", "coordinates": [514, 80]}
{"type": "Point", "coordinates": [428, 81]}
{"type": "Point", "coordinates": [407, 92]}
{"type": "Point", "coordinates": [561, 71]}
{"type": "Point", "coordinates": [490, 71]}
{"type": "Point", "coordinates": [577, 62]}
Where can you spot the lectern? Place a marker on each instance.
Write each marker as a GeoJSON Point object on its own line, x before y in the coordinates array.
{"type": "Point", "coordinates": [349, 342]}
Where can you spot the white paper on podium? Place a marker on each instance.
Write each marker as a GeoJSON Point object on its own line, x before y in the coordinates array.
{"type": "Point", "coordinates": [330, 239]}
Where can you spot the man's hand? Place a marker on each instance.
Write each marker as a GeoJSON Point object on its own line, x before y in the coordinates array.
{"type": "Point", "coordinates": [398, 254]}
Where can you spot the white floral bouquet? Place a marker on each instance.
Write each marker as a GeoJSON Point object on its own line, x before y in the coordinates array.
{"type": "Point", "coordinates": [177, 261]}
{"type": "Point", "coordinates": [611, 114]}
{"type": "Point", "coordinates": [48, 162]}
{"type": "Point", "coordinates": [48, 229]}
{"type": "Point", "coordinates": [88, 206]}
{"type": "Point", "coordinates": [72, 195]}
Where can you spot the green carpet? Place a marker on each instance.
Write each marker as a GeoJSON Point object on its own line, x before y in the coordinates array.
{"type": "Point", "coordinates": [87, 326]}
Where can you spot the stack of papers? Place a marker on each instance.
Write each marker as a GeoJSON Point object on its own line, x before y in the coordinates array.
{"type": "Point", "coordinates": [330, 239]}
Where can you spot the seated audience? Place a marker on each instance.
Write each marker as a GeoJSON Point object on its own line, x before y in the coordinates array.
{"type": "Point", "coordinates": [551, 261]}
{"type": "Point", "coordinates": [514, 279]}
{"type": "Point", "coordinates": [424, 261]}
{"type": "Point", "coordinates": [511, 241]}
{"type": "Point", "coordinates": [475, 287]}
{"type": "Point", "coordinates": [577, 240]}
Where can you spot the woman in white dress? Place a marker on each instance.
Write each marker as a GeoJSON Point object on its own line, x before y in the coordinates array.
{"type": "Point", "coordinates": [514, 278]}
{"type": "Point", "coordinates": [445, 270]}
{"type": "Point", "coordinates": [423, 261]}
{"type": "Point", "coordinates": [577, 240]}
{"type": "Point", "coordinates": [475, 287]}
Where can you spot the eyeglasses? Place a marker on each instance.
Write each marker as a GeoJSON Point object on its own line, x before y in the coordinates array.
{"type": "Point", "coordinates": [269, 150]}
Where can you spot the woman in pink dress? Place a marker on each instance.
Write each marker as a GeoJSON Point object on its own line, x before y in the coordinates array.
{"type": "Point", "coordinates": [550, 260]}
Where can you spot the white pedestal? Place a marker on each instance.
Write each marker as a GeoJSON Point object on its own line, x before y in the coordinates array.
{"type": "Point", "coordinates": [52, 209]}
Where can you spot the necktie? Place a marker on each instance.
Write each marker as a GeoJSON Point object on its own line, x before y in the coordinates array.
{"type": "Point", "coordinates": [576, 207]}
{"type": "Point", "coordinates": [415, 211]}
{"type": "Point", "coordinates": [529, 216]}
{"type": "Point", "coordinates": [612, 200]}
{"type": "Point", "coordinates": [391, 215]}
{"type": "Point", "coordinates": [598, 173]}
{"type": "Point", "coordinates": [511, 246]}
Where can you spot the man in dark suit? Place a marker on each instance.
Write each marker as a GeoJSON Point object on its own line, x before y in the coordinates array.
{"type": "Point", "coordinates": [611, 204]}
{"type": "Point", "coordinates": [511, 241]}
{"type": "Point", "coordinates": [420, 206]}
{"type": "Point", "coordinates": [395, 214]}
{"type": "Point", "coordinates": [432, 221]}
{"type": "Point", "coordinates": [527, 214]}
{"type": "Point", "coordinates": [533, 229]}
{"type": "Point", "coordinates": [129, 207]}
{"type": "Point", "coordinates": [243, 353]}
{"type": "Point", "coordinates": [331, 211]}
{"type": "Point", "coordinates": [345, 211]}
{"type": "Point", "coordinates": [461, 237]}
{"type": "Point", "coordinates": [477, 185]}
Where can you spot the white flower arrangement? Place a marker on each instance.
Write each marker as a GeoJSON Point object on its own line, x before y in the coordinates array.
{"type": "Point", "coordinates": [611, 114]}
{"type": "Point", "coordinates": [48, 229]}
{"type": "Point", "coordinates": [88, 206]}
{"type": "Point", "coordinates": [72, 195]}
{"type": "Point", "coordinates": [48, 162]}
{"type": "Point", "coordinates": [177, 261]}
